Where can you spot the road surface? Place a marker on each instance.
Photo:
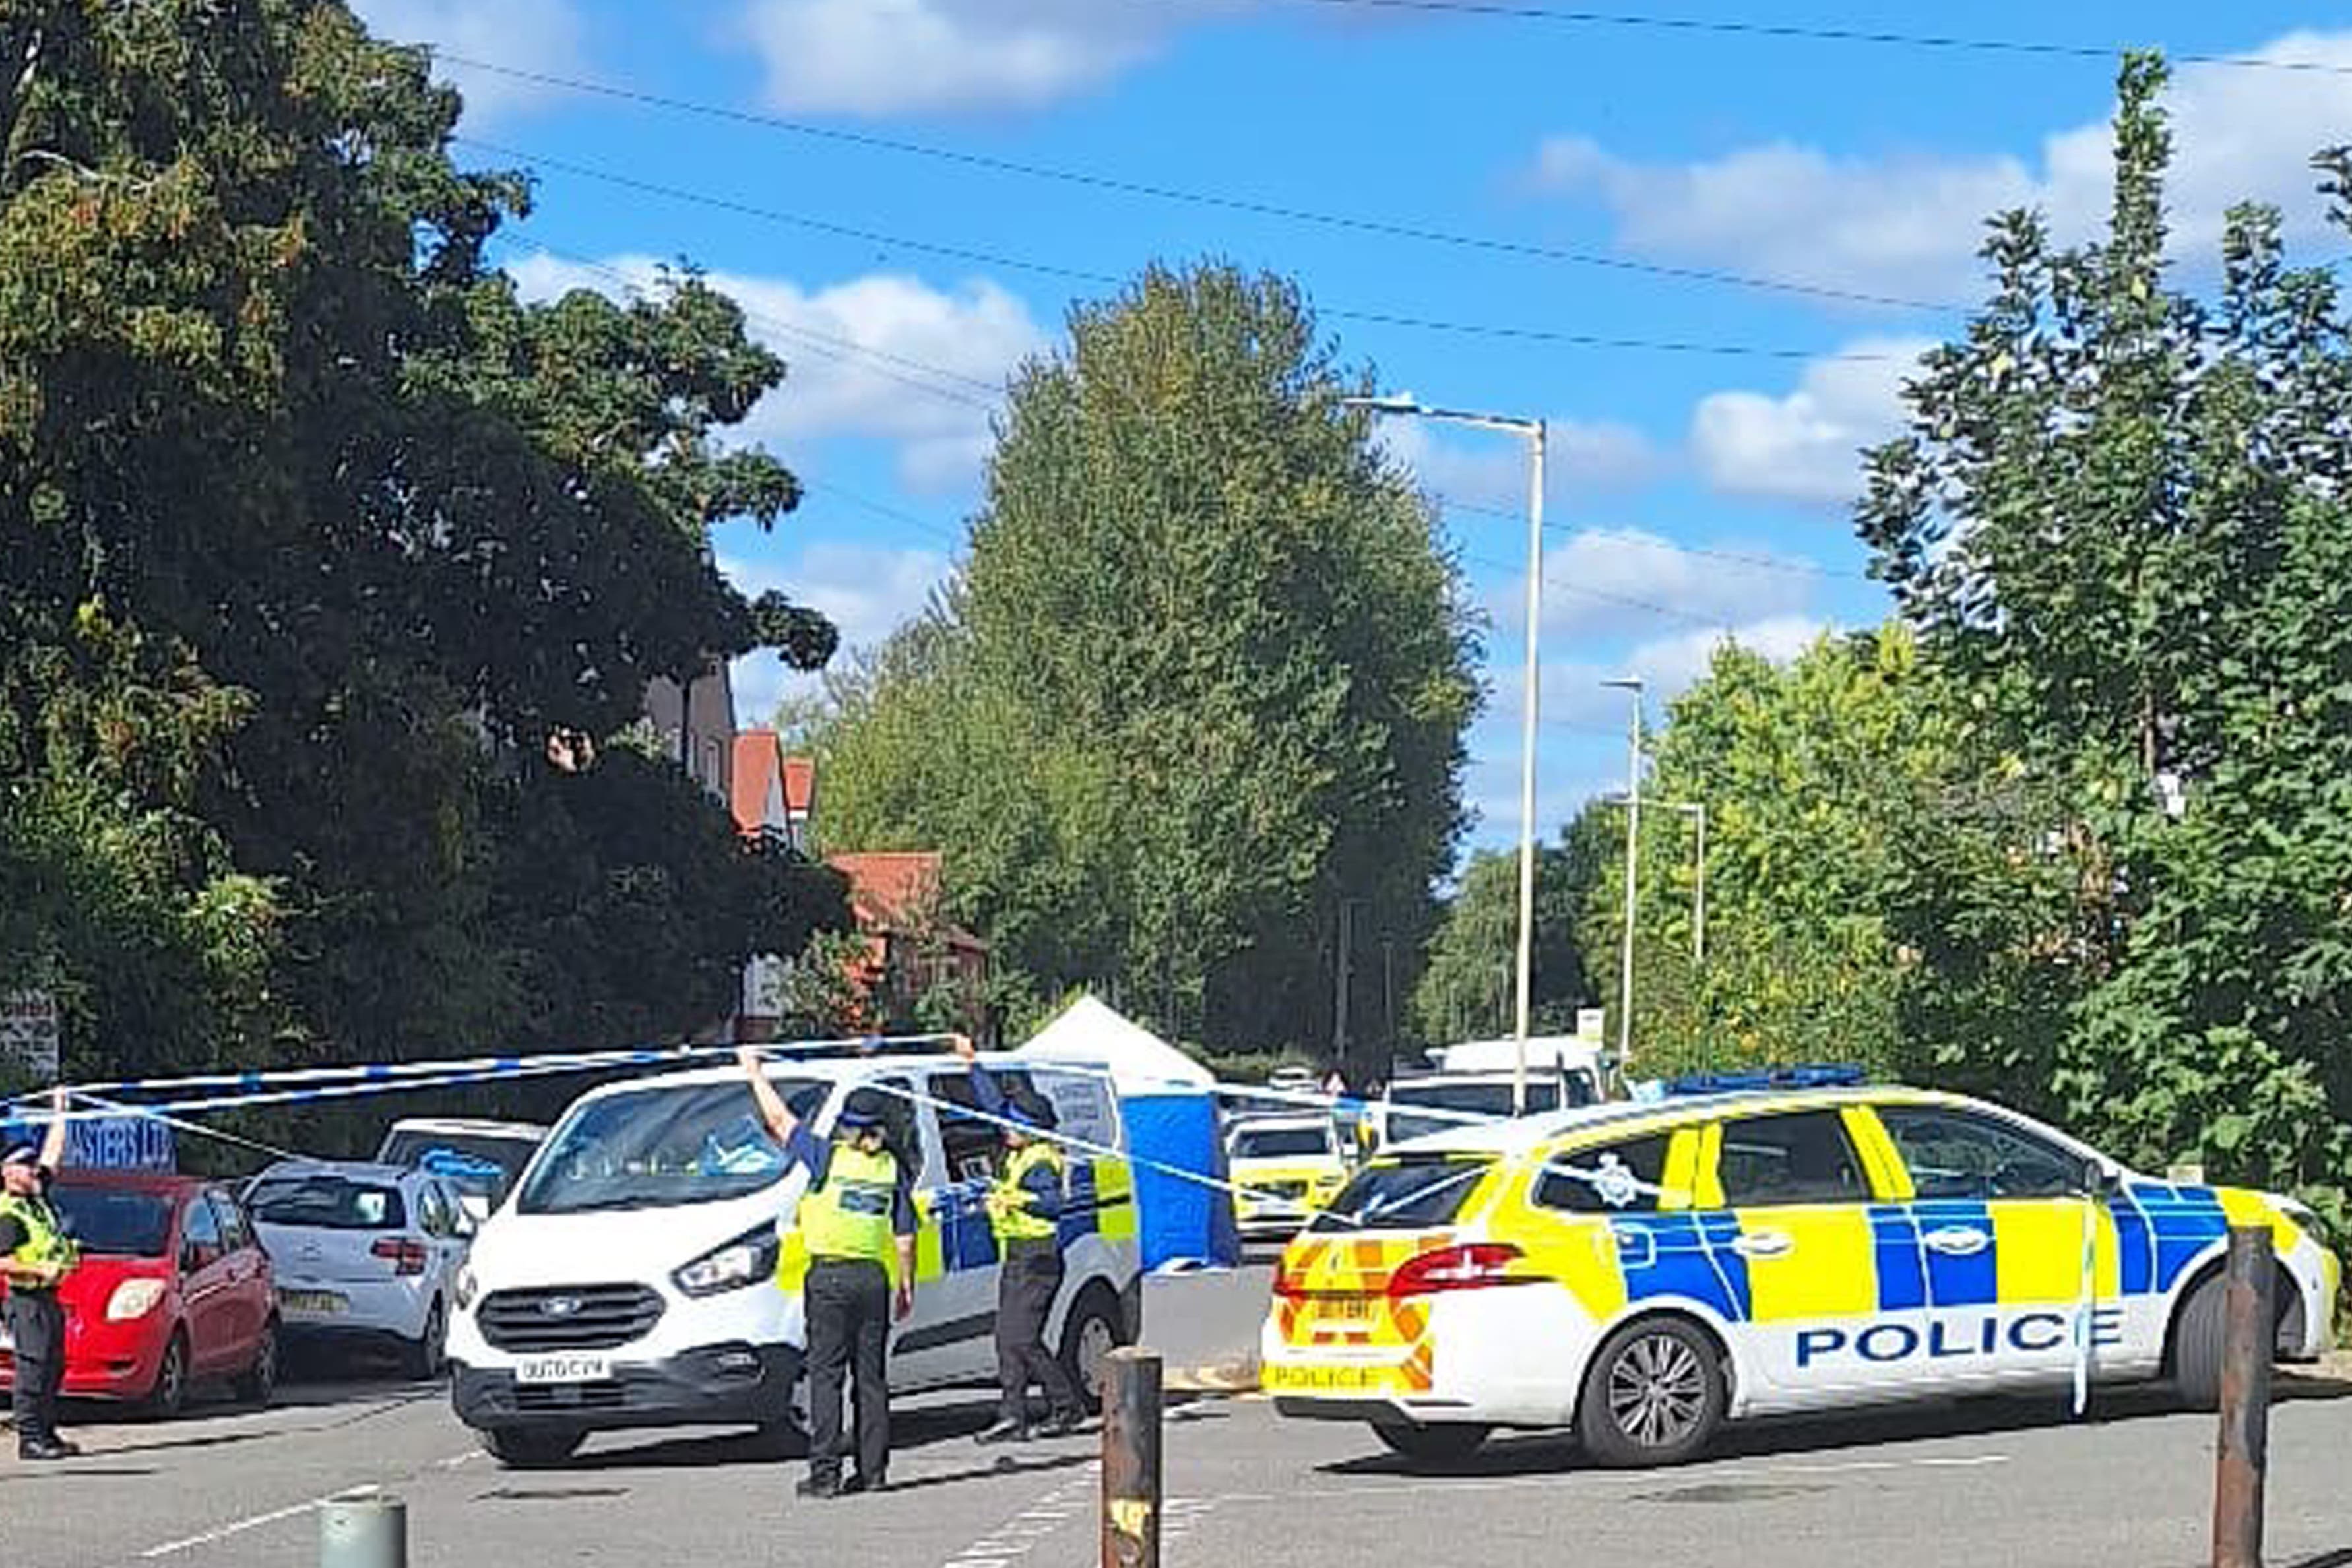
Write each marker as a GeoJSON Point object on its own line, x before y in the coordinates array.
{"type": "Point", "coordinates": [2010, 1483]}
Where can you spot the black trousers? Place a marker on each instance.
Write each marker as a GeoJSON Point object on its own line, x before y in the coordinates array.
{"type": "Point", "coordinates": [36, 1321]}
{"type": "Point", "coordinates": [848, 1309]}
{"type": "Point", "coordinates": [1025, 1288]}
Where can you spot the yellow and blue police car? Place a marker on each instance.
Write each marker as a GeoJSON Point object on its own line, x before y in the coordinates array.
{"type": "Point", "coordinates": [1644, 1272]}
{"type": "Point", "coordinates": [1283, 1169]}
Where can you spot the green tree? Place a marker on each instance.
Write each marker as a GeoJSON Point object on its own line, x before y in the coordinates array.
{"type": "Point", "coordinates": [1205, 677]}
{"type": "Point", "coordinates": [1813, 775]}
{"type": "Point", "coordinates": [1469, 982]}
{"type": "Point", "coordinates": [316, 533]}
{"type": "Point", "coordinates": [2119, 524]}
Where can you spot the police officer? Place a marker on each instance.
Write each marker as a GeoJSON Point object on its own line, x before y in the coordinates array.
{"type": "Point", "coordinates": [1024, 1207]}
{"type": "Point", "coordinates": [857, 1214]}
{"type": "Point", "coordinates": [36, 1255]}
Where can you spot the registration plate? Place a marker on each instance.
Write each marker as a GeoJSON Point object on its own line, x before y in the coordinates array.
{"type": "Point", "coordinates": [569, 1367]}
{"type": "Point", "coordinates": [324, 1302]}
{"type": "Point", "coordinates": [1348, 1309]}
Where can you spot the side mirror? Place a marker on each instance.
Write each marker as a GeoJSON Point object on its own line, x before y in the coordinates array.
{"type": "Point", "coordinates": [2102, 1177]}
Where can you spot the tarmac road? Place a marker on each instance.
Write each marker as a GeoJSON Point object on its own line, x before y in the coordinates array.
{"type": "Point", "coordinates": [2012, 1484]}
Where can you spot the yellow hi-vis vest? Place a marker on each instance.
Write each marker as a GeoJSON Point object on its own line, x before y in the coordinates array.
{"type": "Point", "coordinates": [1014, 1218]}
{"type": "Point", "coordinates": [846, 1217]}
{"type": "Point", "coordinates": [44, 1242]}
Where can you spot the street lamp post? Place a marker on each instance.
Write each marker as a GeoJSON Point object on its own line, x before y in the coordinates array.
{"type": "Point", "coordinates": [1697, 811]}
{"type": "Point", "coordinates": [1633, 868]}
{"type": "Point", "coordinates": [1537, 437]}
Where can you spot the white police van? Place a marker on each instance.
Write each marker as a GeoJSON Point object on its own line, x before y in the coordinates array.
{"type": "Point", "coordinates": [644, 1270]}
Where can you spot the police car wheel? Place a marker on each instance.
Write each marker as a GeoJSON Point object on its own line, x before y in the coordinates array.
{"type": "Point", "coordinates": [2197, 1336]}
{"type": "Point", "coordinates": [1445, 1444]}
{"type": "Point", "coordinates": [1654, 1395]}
{"type": "Point", "coordinates": [1092, 1333]}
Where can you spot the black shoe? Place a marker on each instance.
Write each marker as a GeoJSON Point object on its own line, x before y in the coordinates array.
{"type": "Point", "coordinates": [819, 1487]}
{"type": "Point", "coordinates": [53, 1448]}
{"type": "Point", "coordinates": [858, 1483]}
{"type": "Point", "coordinates": [1060, 1424]}
{"type": "Point", "coordinates": [1005, 1432]}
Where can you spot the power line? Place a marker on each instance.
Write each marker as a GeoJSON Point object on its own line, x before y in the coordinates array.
{"type": "Point", "coordinates": [1251, 206]}
{"type": "Point", "coordinates": [1055, 270]}
{"type": "Point", "coordinates": [1801, 33]}
{"type": "Point", "coordinates": [1648, 541]}
{"type": "Point", "coordinates": [1652, 607]}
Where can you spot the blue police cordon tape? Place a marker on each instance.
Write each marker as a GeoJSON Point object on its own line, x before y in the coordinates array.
{"type": "Point", "coordinates": [308, 1085]}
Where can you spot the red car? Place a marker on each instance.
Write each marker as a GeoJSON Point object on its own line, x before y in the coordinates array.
{"type": "Point", "coordinates": [171, 1290]}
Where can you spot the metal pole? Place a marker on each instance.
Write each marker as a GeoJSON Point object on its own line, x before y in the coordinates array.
{"type": "Point", "coordinates": [1539, 439]}
{"type": "Point", "coordinates": [1698, 898]}
{"type": "Point", "coordinates": [1633, 871]}
{"type": "Point", "coordinates": [364, 1533]}
{"type": "Point", "coordinates": [1340, 982]}
{"type": "Point", "coordinates": [2247, 1347]}
{"type": "Point", "coordinates": [1130, 1460]}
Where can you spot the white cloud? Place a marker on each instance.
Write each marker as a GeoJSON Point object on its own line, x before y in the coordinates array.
{"type": "Point", "coordinates": [546, 36]}
{"type": "Point", "coordinates": [892, 56]}
{"type": "Point", "coordinates": [884, 357]}
{"type": "Point", "coordinates": [1575, 696]}
{"type": "Point", "coordinates": [1908, 225]}
{"type": "Point", "coordinates": [1612, 581]}
{"type": "Point", "coordinates": [1584, 457]}
{"type": "Point", "coordinates": [868, 592]}
{"type": "Point", "coordinates": [1805, 445]}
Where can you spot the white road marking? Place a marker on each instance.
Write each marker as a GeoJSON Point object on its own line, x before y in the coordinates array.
{"type": "Point", "coordinates": [213, 1537]}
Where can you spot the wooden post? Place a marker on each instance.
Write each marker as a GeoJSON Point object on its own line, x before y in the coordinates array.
{"type": "Point", "coordinates": [1130, 1460]}
{"type": "Point", "coordinates": [2249, 1341]}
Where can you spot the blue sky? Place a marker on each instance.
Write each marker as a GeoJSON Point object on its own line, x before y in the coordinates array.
{"type": "Point", "coordinates": [1695, 494]}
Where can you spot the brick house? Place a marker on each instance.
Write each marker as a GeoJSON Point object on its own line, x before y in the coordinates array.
{"type": "Point", "coordinates": [909, 947]}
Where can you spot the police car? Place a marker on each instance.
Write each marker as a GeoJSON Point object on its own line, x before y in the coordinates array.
{"type": "Point", "coordinates": [1284, 1168]}
{"type": "Point", "coordinates": [645, 1270]}
{"type": "Point", "coordinates": [1644, 1272]}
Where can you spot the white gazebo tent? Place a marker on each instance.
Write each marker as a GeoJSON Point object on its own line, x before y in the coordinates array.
{"type": "Point", "coordinates": [1168, 1102]}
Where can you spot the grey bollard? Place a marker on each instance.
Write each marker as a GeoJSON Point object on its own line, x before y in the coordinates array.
{"type": "Point", "coordinates": [364, 1533]}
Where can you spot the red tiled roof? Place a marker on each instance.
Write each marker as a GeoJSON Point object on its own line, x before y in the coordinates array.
{"type": "Point", "coordinates": [886, 888]}
{"type": "Point", "coordinates": [756, 762]}
{"type": "Point", "coordinates": [800, 785]}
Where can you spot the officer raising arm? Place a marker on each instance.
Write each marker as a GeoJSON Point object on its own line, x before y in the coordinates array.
{"type": "Point", "coordinates": [36, 1255]}
{"type": "Point", "coordinates": [859, 1211]}
{"type": "Point", "coordinates": [1024, 1207]}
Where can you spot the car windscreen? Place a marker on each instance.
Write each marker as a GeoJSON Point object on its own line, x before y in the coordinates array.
{"type": "Point", "coordinates": [479, 1163]}
{"type": "Point", "coordinates": [1409, 1193]}
{"type": "Point", "coordinates": [115, 1224]}
{"type": "Point", "coordinates": [322, 1202]}
{"type": "Point", "coordinates": [1463, 1104]}
{"type": "Point", "coordinates": [652, 1148]}
{"type": "Point", "coordinates": [1281, 1143]}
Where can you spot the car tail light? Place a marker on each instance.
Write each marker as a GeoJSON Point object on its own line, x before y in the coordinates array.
{"type": "Point", "coordinates": [1472, 1266]}
{"type": "Point", "coordinates": [406, 1256]}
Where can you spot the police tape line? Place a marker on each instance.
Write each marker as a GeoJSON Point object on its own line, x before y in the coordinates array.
{"type": "Point", "coordinates": [1617, 1186]}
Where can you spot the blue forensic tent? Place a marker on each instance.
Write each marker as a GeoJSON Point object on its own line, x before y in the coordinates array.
{"type": "Point", "coordinates": [1168, 1102]}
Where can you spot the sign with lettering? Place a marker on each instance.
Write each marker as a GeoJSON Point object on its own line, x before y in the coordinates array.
{"type": "Point", "coordinates": [29, 1036]}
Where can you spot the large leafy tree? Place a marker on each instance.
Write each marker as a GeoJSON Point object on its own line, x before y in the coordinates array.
{"type": "Point", "coordinates": [316, 534]}
{"type": "Point", "coordinates": [1813, 775]}
{"type": "Point", "coordinates": [1469, 982]}
{"type": "Point", "coordinates": [2120, 524]}
{"type": "Point", "coordinates": [1204, 678]}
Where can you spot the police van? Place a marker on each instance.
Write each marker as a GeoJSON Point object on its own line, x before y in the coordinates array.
{"type": "Point", "coordinates": [1644, 1272]}
{"type": "Point", "coordinates": [644, 1270]}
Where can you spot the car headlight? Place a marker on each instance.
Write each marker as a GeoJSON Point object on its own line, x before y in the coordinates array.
{"type": "Point", "coordinates": [464, 1288]}
{"type": "Point", "coordinates": [749, 1259]}
{"type": "Point", "coordinates": [133, 1300]}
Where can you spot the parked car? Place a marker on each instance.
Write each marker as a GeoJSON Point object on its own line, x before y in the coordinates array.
{"type": "Point", "coordinates": [1643, 1274]}
{"type": "Point", "coordinates": [367, 1255]}
{"type": "Point", "coordinates": [172, 1290]}
{"type": "Point", "coordinates": [646, 1272]}
{"type": "Point", "coordinates": [480, 1159]}
{"type": "Point", "coordinates": [1288, 1168]}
